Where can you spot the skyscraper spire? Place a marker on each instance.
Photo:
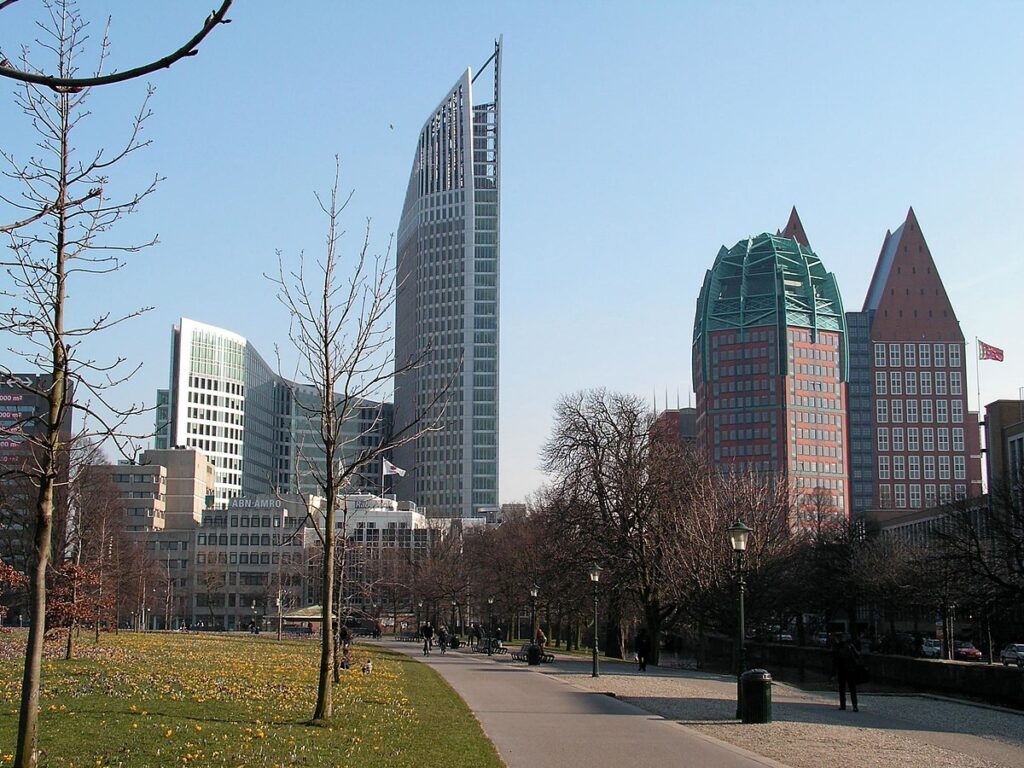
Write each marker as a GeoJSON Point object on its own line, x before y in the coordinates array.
{"type": "Point", "coordinates": [794, 229]}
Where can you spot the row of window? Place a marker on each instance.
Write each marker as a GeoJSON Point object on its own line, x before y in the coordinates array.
{"type": "Point", "coordinates": [943, 412]}
{"type": "Point", "coordinates": [896, 380]}
{"type": "Point", "coordinates": [913, 355]}
{"type": "Point", "coordinates": [916, 438]}
{"type": "Point", "coordinates": [910, 467]}
{"type": "Point", "coordinates": [896, 495]}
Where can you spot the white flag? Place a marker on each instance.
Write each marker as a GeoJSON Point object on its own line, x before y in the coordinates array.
{"type": "Point", "coordinates": [391, 469]}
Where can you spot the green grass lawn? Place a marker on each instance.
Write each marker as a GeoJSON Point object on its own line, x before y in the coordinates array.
{"type": "Point", "coordinates": [168, 699]}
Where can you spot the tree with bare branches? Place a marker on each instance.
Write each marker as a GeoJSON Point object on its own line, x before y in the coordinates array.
{"type": "Point", "coordinates": [340, 313]}
{"type": "Point", "coordinates": [58, 235]}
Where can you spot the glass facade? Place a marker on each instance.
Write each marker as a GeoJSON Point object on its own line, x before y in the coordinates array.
{"type": "Point", "coordinates": [226, 401]}
{"type": "Point", "coordinates": [446, 330]}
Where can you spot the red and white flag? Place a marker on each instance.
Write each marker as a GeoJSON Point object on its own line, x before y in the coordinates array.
{"type": "Point", "coordinates": [988, 352]}
{"type": "Point", "coordinates": [391, 469]}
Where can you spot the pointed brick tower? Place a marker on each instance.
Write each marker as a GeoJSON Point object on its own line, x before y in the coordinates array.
{"type": "Point", "coordinates": [914, 444]}
{"type": "Point", "coordinates": [794, 229]}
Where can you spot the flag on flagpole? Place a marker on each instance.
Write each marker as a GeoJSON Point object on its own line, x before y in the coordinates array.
{"type": "Point", "coordinates": [988, 352]}
{"type": "Point", "coordinates": [391, 469]}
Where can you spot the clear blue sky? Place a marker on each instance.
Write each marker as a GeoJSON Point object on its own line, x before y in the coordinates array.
{"type": "Point", "coordinates": [637, 139]}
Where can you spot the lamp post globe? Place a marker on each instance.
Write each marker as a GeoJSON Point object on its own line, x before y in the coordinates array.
{"type": "Point", "coordinates": [595, 577]}
{"type": "Point", "coordinates": [738, 537]}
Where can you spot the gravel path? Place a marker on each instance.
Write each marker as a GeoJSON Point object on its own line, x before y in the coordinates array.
{"type": "Point", "coordinates": [809, 730]}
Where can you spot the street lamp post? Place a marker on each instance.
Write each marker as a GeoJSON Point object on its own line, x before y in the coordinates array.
{"type": "Point", "coordinates": [490, 625]}
{"type": "Point", "coordinates": [533, 611]}
{"type": "Point", "coordinates": [738, 535]}
{"type": "Point", "coordinates": [253, 617]}
{"type": "Point", "coordinates": [455, 604]}
{"type": "Point", "coordinates": [595, 576]}
{"type": "Point", "coordinates": [419, 612]}
{"type": "Point", "coordinates": [279, 621]}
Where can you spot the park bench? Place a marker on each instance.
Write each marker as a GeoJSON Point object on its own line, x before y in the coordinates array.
{"type": "Point", "coordinates": [409, 637]}
{"type": "Point", "coordinates": [481, 647]}
{"type": "Point", "coordinates": [523, 655]}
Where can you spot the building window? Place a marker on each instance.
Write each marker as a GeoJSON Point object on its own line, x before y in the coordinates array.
{"type": "Point", "coordinates": [955, 383]}
{"type": "Point", "coordinates": [896, 383]}
{"type": "Point", "coordinates": [959, 468]}
{"type": "Point", "coordinates": [881, 411]}
{"type": "Point", "coordinates": [911, 411]}
{"type": "Point", "coordinates": [941, 411]}
{"type": "Point", "coordinates": [926, 382]}
{"type": "Point", "coordinates": [913, 439]}
{"type": "Point", "coordinates": [885, 496]}
{"type": "Point", "coordinates": [943, 440]}
{"type": "Point", "coordinates": [894, 355]}
{"type": "Point", "coordinates": [911, 382]}
{"type": "Point", "coordinates": [897, 411]}
{"type": "Point", "coordinates": [899, 469]}
{"type": "Point", "coordinates": [961, 492]}
{"type": "Point", "coordinates": [958, 438]}
{"type": "Point", "coordinates": [909, 355]}
{"type": "Point", "coordinates": [897, 438]}
{"type": "Point", "coordinates": [930, 497]}
{"type": "Point", "coordinates": [880, 383]}
{"type": "Point", "coordinates": [901, 496]}
{"type": "Point", "coordinates": [958, 411]}
{"type": "Point", "coordinates": [928, 439]}
{"type": "Point", "coordinates": [914, 467]}
{"type": "Point", "coordinates": [940, 355]}
{"type": "Point", "coordinates": [943, 467]}
{"type": "Point", "coordinates": [954, 355]}
{"type": "Point", "coordinates": [945, 493]}
{"type": "Point", "coordinates": [879, 355]}
{"type": "Point", "coordinates": [924, 351]}
{"type": "Point", "coordinates": [915, 496]}
{"type": "Point", "coordinates": [940, 382]}
{"type": "Point", "coordinates": [883, 467]}
{"type": "Point", "coordinates": [926, 412]}
{"type": "Point", "coordinates": [883, 438]}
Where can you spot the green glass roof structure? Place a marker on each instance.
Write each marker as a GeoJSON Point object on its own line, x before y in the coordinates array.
{"type": "Point", "coordinates": [767, 280]}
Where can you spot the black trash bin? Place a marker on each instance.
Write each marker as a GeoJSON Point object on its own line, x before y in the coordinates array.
{"type": "Point", "coordinates": [533, 654]}
{"type": "Point", "coordinates": [454, 641]}
{"type": "Point", "coordinates": [756, 702]}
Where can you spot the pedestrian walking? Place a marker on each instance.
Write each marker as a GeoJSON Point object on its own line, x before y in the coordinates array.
{"type": "Point", "coordinates": [642, 648]}
{"type": "Point", "coordinates": [428, 638]}
{"type": "Point", "coordinates": [540, 639]}
{"type": "Point", "coordinates": [845, 659]}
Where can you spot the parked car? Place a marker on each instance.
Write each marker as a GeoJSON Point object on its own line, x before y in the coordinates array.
{"type": "Point", "coordinates": [1013, 653]}
{"type": "Point", "coordinates": [963, 651]}
{"type": "Point", "coordinates": [932, 648]}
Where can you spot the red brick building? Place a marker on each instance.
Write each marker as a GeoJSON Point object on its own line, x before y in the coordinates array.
{"type": "Point", "coordinates": [915, 444]}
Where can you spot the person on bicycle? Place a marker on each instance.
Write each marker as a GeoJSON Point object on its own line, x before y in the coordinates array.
{"type": "Point", "coordinates": [442, 638]}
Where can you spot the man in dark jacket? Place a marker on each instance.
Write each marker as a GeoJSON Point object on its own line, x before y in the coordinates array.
{"type": "Point", "coordinates": [844, 666]}
{"type": "Point", "coordinates": [428, 638]}
{"type": "Point", "coordinates": [642, 648]}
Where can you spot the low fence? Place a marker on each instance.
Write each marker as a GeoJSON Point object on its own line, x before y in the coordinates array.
{"type": "Point", "coordinates": [992, 683]}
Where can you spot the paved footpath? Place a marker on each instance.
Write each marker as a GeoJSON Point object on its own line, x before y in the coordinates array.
{"type": "Point", "coordinates": [558, 715]}
{"type": "Point", "coordinates": [537, 721]}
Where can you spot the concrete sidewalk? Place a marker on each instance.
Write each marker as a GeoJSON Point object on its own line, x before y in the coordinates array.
{"type": "Point", "coordinates": [537, 721]}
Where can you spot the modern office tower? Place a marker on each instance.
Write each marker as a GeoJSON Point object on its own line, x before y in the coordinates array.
{"type": "Point", "coordinates": [769, 369]}
{"type": "Point", "coordinates": [226, 401]}
{"type": "Point", "coordinates": [1004, 448]}
{"type": "Point", "coordinates": [446, 323]}
{"type": "Point", "coordinates": [909, 383]}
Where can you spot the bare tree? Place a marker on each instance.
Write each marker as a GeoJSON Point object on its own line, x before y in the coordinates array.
{"type": "Point", "coordinates": [65, 80]}
{"type": "Point", "coordinates": [340, 327]}
{"type": "Point", "coordinates": [61, 219]}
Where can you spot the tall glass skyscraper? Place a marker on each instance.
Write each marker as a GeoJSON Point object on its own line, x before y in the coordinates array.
{"type": "Point", "coordinates": [446, 324]}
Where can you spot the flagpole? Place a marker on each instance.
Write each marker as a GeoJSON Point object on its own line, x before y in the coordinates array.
{"type": "Point", "coordinates": [382, 478]}
{"type": "Point", "coordinates": [977, 372]}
